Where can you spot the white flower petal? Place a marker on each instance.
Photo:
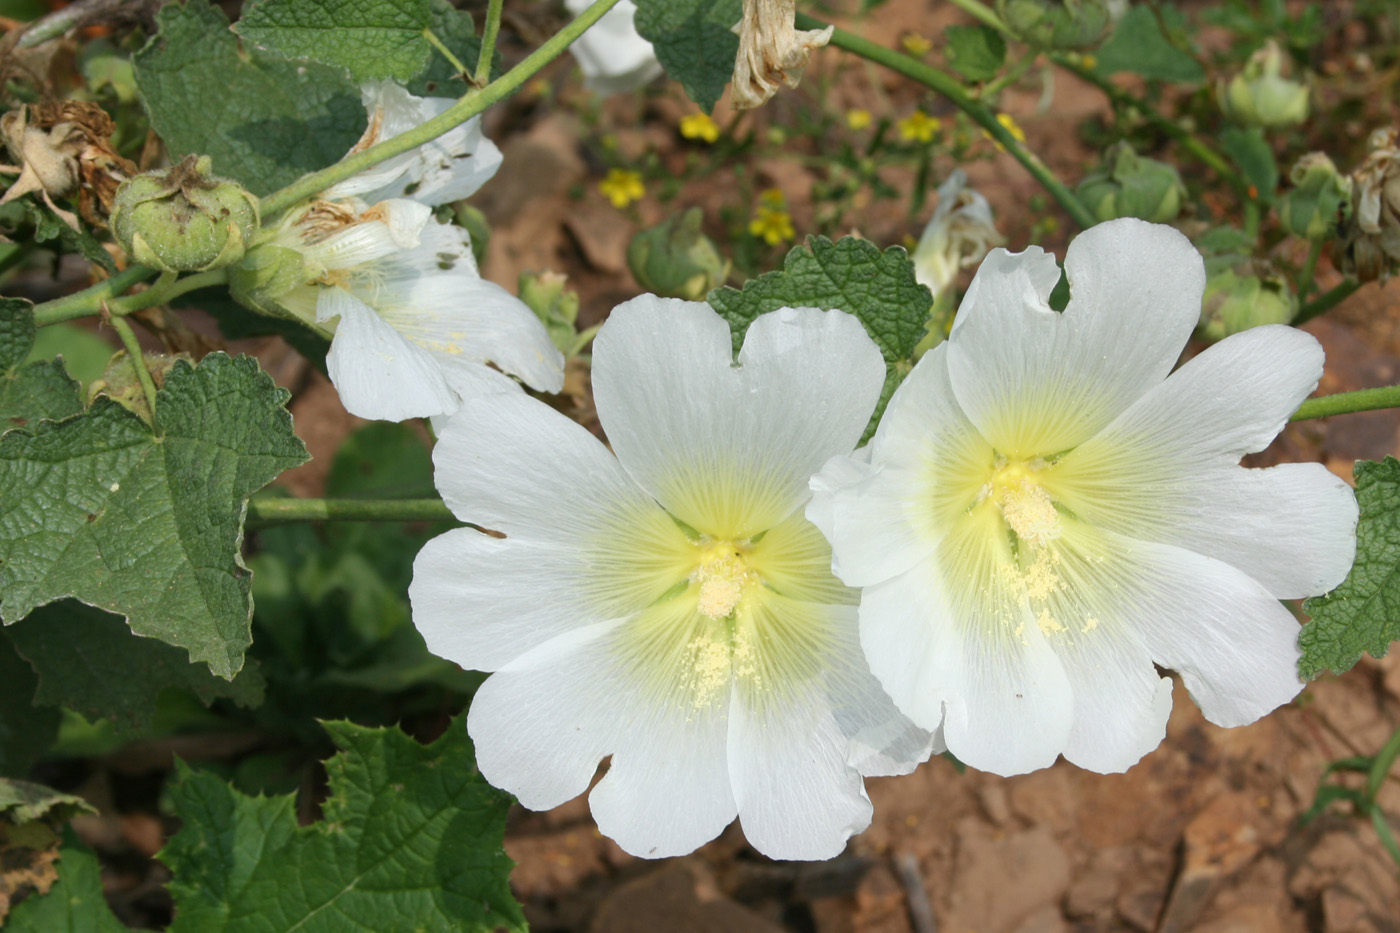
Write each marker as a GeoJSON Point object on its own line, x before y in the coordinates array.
{"type": "Point", "coordinates": [1165, 470]}
{"type": "Point", "coordinates": [819, 803]}
{"type": "Point", "coordinates": [447, 168]}
{"type": "Point", "coordinates": [888, 523]}
{"type": "Point", "coordinates": [1235, 646]}
{"type": "Point", "coordinates": [731, 447]}
{"type": "Point", "coordinates": [947, 643]}
{"type": "Point", "coordinates": [542, 726]}
{"type": "Point", "coordinates": [384, 230]}
{"type": "Point", "coordinates": [1036, 382]}
{"type": "Point", "coordinates": [613, 57]}
{"type": "Point", "coordinates": [377, 372]}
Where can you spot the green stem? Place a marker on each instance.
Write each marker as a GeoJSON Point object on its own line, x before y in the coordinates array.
{"type": "Point", "coordinates": [950, 88]}
{"type": "Point", "coordinates": [983, 14]}
{"type": "Point", "coordinates": [138, 360]}
{"type": "Point", "coordinates": [1185, 138]}
{"type": "Point", "coordinates": [1305, 277]}
{"type": "Point", "coordinates": [1326, 301]}
{"type": "Point", "coordinates": [471, 104]}
{"type": "Point", "coordinates": [1346, 403]}
{"type": "Point", "coordinates": [488, 42]}
{"type": "Point", "coordinates": [1009, 77]}
{"type": "Point", "coordinates": [271, 511]}
{"type": "Point", "coordinates": [445, 52]}
{"type": "Point", "coordinates": [1381, 765]}
{"type": "Point", "coordinates": [88, 301]}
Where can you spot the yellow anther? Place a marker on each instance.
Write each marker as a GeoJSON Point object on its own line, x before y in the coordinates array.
{"type": "Point", "coordinates": [1024, 503]}
{"type": "Point", "coordinates": [722, 576]}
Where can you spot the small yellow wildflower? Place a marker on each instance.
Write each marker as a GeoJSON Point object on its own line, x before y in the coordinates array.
{"type": "Point", "coordinates": [915, 44]}
{"type": "Point", "coordinates": [1011, 126]}
{"type": "Point", "coordinates": [919, 126]}
{"type": "Point", "coordinates": [772, 221]}
{"type": "Point", "coordinates": [699, 126]}
{"type": "Point", "coordinates": [1088, 61]}
{"type": "Point", "coordinates": [858, 118]}
{"type": "Point", "coordinates": [622, 187]}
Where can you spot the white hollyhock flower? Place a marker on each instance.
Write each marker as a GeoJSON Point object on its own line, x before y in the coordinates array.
{"type": "Point", "coordinates": [451, 167]}
{"type": "Point", "coordinates": [958, 235]}
{"type": "Point", "coordinates": [1048, 510]}
{"type": "Point", "coordinates": [415, 323]}
{"type": "Point", "coordinates": [670, 606]}
{"type": "Point", "coordinates": [613, 57]}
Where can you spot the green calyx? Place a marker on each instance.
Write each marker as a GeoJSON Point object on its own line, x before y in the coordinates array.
{"type": "Point", "coordinates": [1242, 296]}
{"type": "Point", "coordinates": [1062, 25]}
{"type": "Point", "coordinates": [184, 219]}
{"type": "Point", "coordinates": [1130, 185]}
{"type": "Point", "coordinates": [1260, 95]}
{"type": "Point", "coordinates": [1320, 200]}
{"type": "Point", "coordinates": [675, 259]}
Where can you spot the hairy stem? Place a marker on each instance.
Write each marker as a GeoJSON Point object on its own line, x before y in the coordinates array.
{"type": "Point", "coordinates": [952, 89]}
{"type": "Point", "coordinates": [90, 300]}
{"type": "Point", "coordinates": [1346, 403]}
{"type": "Point", "coordinates": [283, 511]}
{"type": "Point", "coordinates": [138, 360]}
{"type": "Point", "coordinates": [470, 105]}
{"type": "Point", "coordinates": [488, 42]}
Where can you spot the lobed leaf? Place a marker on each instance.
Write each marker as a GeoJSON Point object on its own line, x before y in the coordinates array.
{"type": "Point", "coordinates": [89, 661]}
{"type": "Point", "coordinates": [1139, 46]}
{"type": "Point", "coordinates": [851, 275]}
{"type": "Point", "coordinates": [146, 520]}
{"type": "Point", "coordinates": [410, 840]}
{"type": "Point", "coordinates": [74, 904]}
{"type": "Point", "coordinates": [975, 52]}
{"type": "Point", "coordinates": [1362, 615]}
{"type": "Point", "coordinates": [695, 42]}
{"type": "Point", "coordinates": [368, 38]}
{"type": "Point", "coordinates": [264, 119]}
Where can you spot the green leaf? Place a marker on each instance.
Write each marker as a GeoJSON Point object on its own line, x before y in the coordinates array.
{"type": "Point", "coordinates": [453, 28]}
{"type": "Point", "coordinates": [26, 731]}
{"type": "Point", "coordinates": [89, 661]}
{"type": "Point", "coordinates": [410, 840]}
{"type": "Point", "coordinates": [38, 390]}
{"type": "Point", "coordinates": [147, 521]}
{"type": "Point", "coordinates": [24, 802]}
{"type": "Point", "coordinates": [695, 42]}
{"type": "Point", "coordinates": [369, 38]}
{"type": "Point", "coordinates": [1251, 152]}
{"type": "Point", "coordinates": [1138, 46]}
{"type": "Point", "coordinates": [17, 331]}
{"type": "Point", "coordinates": [851, 275]}
{"type": "Point", "coordinates": [1363, 614]}
{"type": "Point", "coordinates": [74, 904]}
{"type": "Point", "coordinates": [85, 355]}
{"type": "Point", "coordinates": [975, 52]}
{"type": "Point", "coordinates": [50, 228]}
{"type": "Point", "coordinates": [265, 120]}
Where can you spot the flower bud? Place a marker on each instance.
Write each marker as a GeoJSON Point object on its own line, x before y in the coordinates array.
{"type": "Point", "coordinates": [1260, 95]}
{"type": "Point", "coordinates": [1130, 185]}
{"type": "Point", "coordinates": [1242, 296]}
{"type": "Point", "coordinates": [1370, 239]}
{"type": "Point", "coordinates": [1057, 24]}
{"type": "Point", "coordinates": [266, 273]}
{"type": "Point", "coordinates": [1320, 199]}
{"type": "Point", "coordinates": [184, 219]}
{"type": "Point", "coordinates": [675, 259]}
{"type": "Point", "coordinates": [554, 304]}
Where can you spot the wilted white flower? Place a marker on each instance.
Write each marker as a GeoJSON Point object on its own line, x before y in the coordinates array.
{"type": "Point", "coordinates": [958, 235]}
{"type": "Point", "coordinates": [613, 57]}
{"type": "Point", "coordinates": [451, 167]}
{"type": "Point", "coordinates": [415, 323]}
{"type": "Point", "coordinates": [670, 606]}
{"type": "Point", "coordinates": [771, 51]}
{"type": "Point", "coordinates": [1371, 238]}
{"type": "Point", "coordinates": [1047, 513]}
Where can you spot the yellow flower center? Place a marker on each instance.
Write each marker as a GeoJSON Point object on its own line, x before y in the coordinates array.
{"type": "Point", "coordinates": [1025, 505]}
{"type": "Point", "coordinates": [723, 577]}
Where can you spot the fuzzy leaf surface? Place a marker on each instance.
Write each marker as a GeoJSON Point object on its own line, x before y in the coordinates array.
{"type": "Point", "coordinates": [74, 904]}
{"type": "Point", "coordinates": [368, 38]}
{"type": "Point", "coordinates": [146, 521]}
{"type": "Point", "coordinates": [695, 42]}
{"type": "Point", "coordinates": [410, 840]}
{"type": "Point", "coordinates": [1362, 615]}
{"type": "Point", "coordinates": [264, 119]}
{"type": "Point", "coordinates": [89, 661]}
